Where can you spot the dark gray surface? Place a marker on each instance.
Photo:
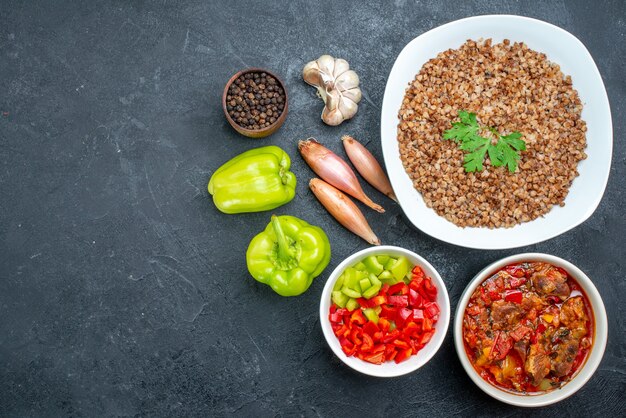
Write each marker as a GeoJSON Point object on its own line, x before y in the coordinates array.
{"type": "Point", "coordinates": [123, 291]}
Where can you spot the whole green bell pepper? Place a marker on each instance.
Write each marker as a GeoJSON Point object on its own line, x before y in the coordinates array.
{"type": "Point", "coordinates": [257, 180]}
{"type": "Point", "coordinates": [288, 255]}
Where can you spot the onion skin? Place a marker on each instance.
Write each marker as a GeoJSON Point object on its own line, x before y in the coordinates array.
{"type": "Point", "coordinates": [334, 170]}
{"type": "Point", "coordinates": [343, 210]}
{"type": "Point", "coordinates": [367, 166]}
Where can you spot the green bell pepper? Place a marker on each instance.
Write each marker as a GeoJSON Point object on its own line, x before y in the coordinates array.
{"type": "Point", "coordinates": [288, 255]}
{"type": "Point", "coordinates": [257, 180]}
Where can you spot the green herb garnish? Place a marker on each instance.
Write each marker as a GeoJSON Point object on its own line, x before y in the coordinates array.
{"type": "Point", "coordinates": [466, 133]}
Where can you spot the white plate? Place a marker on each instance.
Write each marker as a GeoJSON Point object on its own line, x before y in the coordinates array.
{"type": "Point", "coordinates": [562, 48]}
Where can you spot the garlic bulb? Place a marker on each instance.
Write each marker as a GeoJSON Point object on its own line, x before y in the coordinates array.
{"type": "Point", "coordinates": [337, 85]}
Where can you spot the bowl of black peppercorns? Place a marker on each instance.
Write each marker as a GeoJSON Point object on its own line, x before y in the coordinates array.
{"type": "Point", "coordinates": [255, 102]}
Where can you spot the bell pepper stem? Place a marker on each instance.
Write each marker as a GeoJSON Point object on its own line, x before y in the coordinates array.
{"type": "Point", "coordinates": [283, 246]}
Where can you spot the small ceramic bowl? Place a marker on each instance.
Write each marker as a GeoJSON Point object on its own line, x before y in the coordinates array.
{"type": "Point", "coordinates": [583, 374]}
{"type": "Point", "coordinates": [255, 133]}
{"type": "Point", "coordinates": [388, 369]}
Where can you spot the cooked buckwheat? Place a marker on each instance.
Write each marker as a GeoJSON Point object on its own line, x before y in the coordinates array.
{"type": "Point", "coordinates": [508, 86]}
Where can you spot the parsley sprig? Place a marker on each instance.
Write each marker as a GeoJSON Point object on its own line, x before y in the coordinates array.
{"type": "Point", "coordinates": [466, 133]}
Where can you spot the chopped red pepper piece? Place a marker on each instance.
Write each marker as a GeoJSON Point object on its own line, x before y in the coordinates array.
{"type": "Point", "coordinates": [403, 355]}
{"type": "Point", "coordinates": [410, 328]}
{"type": "Point", "coordinates": [398, 300]}
{"type": "Point", "coordinates": [430, 289]}
{"type": "Point", "coordinates": [370, 328]}
{"type": "Point", "coordinates": [368, 343]}
{"type": "Point", "coordinates": [342, 311]}
{"type": "Point", "coordinates": [417, 272]}
{"type": "Point", "coordinates": [376, 358]}
{"type": "Point", "coordinates": [342, 331]}
{"type": "Point", "coordinates": [405, 313]}
{"type": "Point", "coordinates": [514, 296]}
{"type": "Point", "coordinates": [378, 348]}
{"type": "Point", "coordinates": [401, 344]}
{"type": "Point", "coordinates": [418, 315]}
{"type": "Point", "coordinates": [390, 352]}
{"type": "Point", "coordinates": [365, 303]}
{"type": "Point", "coordinates": [383, 324]}
{"type": "Point", "coordinates": [355, 335]}
{"type": "Point", "coordinates": [335, 317]}
{"type": "Point", "coordinates": [427, 324]}
{"type": "Point", "coordinates": [388, 312]}
{"type": "Point", "coordinates": [413, 298]}
{"type": "Point", "coordinates": [377, 300]}
{"type": "Point", "coordinates": [431, 309]}
{"type": "Point", "coordinates": [349, 351]}
{"type": "Point", "coordinates": [401, 288]}
{"type": "Point", "coordinates": [391, 336]}
{"type": "Point", "coordinates": [515, 271]}
{"type": "Point", "coordinates": [426, 337]}
{"type": "Point", "coordinates": [516, 282]}
{"type": "Point", "coordinates": [357, 316]}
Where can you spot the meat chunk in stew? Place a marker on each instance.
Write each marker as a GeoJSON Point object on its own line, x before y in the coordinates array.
{"type": "Point", "coordinates": [537, 364]}
{"type": "Point", "coordinates": [565, 352]}
{"type": "Point", "coordinates": [574, 316]}
{"type": "Point", "coordinates": [550, 281]}
{"type": "Point", "coordinates": [505, 314]}
{"type": "Point", "coordinates": [521, 348]}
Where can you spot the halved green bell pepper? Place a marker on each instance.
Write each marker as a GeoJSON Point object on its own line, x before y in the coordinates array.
{"type": "Point", "coordinates": [288, 255]}
{"type": "Point", "coordinates": [257, 180]}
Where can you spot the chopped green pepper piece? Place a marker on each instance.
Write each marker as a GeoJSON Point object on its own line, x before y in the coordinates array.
{"type": "Point", "coordinates": [339, 283]}
{"type": "Point", "coordinates": [350, 278]}
{"type": "Point", "coordinates": [352, 305]}
{"type": "Point", "coordinates": [389, 264]}
{"type": "Point", "coordinates": [372, 265]}
{"type": "Point", "coordinates": [365, 284]}
{"type": "Point", "coordinates": [374, 280]}
{"type": "Point", "coordinates": [350, 292]}
{"type": "Point", "coordinates": [359, 266]}
{"type": "Point", "coordinates": [400, 268]}
{"type": "Point", "coordinates": [385, 275]}
{"type": "Point", "coordinates": [382, 259]}
{"type": "Point", "coordinates": [371, 315]}
{"type": "Point", "coordinates": [371, 292]}
{"type": "Point", "coordinates": [339, 298]}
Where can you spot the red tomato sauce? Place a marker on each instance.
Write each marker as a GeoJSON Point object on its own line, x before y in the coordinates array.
{"type": "Point", "coordinates": [528, 328]}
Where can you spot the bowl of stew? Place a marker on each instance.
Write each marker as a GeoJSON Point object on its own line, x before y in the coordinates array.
{"type": "Point", "coordinates": [530, 329]}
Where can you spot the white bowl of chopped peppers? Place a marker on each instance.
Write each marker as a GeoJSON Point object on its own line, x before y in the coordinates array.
{"type": "Point", "coordinates": [530, 329]}
{"type": "Point", "coordinates": [385, 311]}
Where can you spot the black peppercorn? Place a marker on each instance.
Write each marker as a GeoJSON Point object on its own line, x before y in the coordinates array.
{"type": "Point", "coordinates": [255, 100]}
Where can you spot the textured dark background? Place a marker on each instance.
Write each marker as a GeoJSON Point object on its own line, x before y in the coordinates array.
{"type": "Point", "coordinates": [123, 291]}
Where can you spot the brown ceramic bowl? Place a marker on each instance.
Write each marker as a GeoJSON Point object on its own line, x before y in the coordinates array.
{"type": "Point", "coordinates": [255, 133]}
